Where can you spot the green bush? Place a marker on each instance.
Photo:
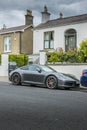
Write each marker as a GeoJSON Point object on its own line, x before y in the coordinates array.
{"type": "Point", "coordinates": [63, 57]}
{"type": "Point", "coordinates": [54, 57]}
{"type": "Point", "coordinates": [83, 51]}
{"type": "Point", "coordinates": [70, 56]}
{"type": "Point", "coordinates": [19, 59]}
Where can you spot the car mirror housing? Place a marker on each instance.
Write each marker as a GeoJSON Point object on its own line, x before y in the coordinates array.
{"type": "Point", "coordinates": [39, 70]}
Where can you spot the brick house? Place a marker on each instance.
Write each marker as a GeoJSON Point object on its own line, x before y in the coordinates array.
{"type": "Point", "coordinates": [18, 40]}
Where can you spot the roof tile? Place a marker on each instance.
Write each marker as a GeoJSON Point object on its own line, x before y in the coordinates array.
{"type": "Point", "coordinates": [14, 29]}
{"type": "Point", "coordinates": [63, 21]}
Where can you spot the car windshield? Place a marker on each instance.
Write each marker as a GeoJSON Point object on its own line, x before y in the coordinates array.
{"type": "Point", "coordinates": [47, 69]}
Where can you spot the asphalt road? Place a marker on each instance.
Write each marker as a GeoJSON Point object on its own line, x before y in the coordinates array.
{"type": "Point", "coordinates": [34, 108]}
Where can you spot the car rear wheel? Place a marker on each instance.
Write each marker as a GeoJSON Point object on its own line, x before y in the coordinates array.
{"type": "Point", "coordinates": [16, 79]}
{"type": "Point", "coordinates": [51, 82]}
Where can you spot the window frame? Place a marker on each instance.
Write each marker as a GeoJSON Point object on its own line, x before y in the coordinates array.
{"type": "Point", "coordinates": [49, 42]}
{"type": "Point", "coordinates": [70, 34]}
{"type": "Point", "coordinates": [7, 43]}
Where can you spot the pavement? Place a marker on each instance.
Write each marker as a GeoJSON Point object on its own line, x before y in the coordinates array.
{"type": "Point", "coordinates": [4, 79]}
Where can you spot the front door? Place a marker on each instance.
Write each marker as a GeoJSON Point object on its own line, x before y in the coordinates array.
{"type": "Point", "coordinates": [70, 39]}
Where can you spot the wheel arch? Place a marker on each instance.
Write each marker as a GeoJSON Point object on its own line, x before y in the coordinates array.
{"type": "Point", "coordinates": [51, 75]}
{"type": "Point", "coordinates": [18, 75]}
{"type": "Point", "coordinates": [15, 73]}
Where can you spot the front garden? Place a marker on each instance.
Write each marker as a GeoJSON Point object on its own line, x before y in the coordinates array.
{"type": "Point", "coordinates": [72, 56]}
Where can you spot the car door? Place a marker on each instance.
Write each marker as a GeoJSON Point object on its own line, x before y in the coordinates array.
{"type": "Point", "coordinates": [32, 75]}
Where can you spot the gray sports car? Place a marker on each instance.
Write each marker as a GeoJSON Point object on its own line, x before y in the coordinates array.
{"type": "Point", "coordinates": [43, 76]}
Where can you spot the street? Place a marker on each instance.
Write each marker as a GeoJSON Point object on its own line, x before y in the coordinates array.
{"type": "Point", "coordinates": [35, 108]}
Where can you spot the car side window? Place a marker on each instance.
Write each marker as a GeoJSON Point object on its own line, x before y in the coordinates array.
{"type": "Point", "coordinates": [25, 68]}
{"type": "Point", "coordinates": [32, 68]}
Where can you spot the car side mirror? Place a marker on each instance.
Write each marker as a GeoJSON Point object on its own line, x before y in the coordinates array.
{"type": "Point", "coordinates": [39, 70]}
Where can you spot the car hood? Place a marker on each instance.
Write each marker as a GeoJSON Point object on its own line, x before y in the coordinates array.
{"type": "Point", "coordinates": [64, 77]}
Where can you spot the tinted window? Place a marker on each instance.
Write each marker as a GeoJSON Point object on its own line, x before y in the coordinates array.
{"type": "Point", "coordinates": [47, 69]}
{"type": "Point", "coordinates": [25, 68]}
{"type": "Point", "coordinates": [32, 68]}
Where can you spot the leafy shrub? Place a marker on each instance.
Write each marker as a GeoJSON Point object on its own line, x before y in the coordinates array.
{"type": "Point", "coordinates": [71, 56]}
{"type": "Point", "coordinates": [19, 59]}
{"type": "Point", "coordinates": [54, 57]}
{"type": "Point", "coordinates": [83, 51]}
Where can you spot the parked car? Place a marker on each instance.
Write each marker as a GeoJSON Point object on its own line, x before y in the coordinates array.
{"type": "Point", "coordinates": [83, 79]}
{"type": "Point", "coordinates": [44, 76]}
{"type": "Point", "coordinates": [12, 66]}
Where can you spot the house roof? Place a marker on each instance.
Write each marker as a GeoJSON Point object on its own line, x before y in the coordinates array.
{"type": "Point", "coordinates": [63, 21]}
{"type": "Point", "coordinates": [15, 29]}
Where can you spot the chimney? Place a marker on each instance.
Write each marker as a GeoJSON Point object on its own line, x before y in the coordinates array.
{"type": "Point", "coordinates": [28, 18]}
{"type": "Point", "coordinates": [61, 15]}
{"type": "Point", "coordinates": [4, 27]}
{"type": "Point", "coordinates": [45, 15]}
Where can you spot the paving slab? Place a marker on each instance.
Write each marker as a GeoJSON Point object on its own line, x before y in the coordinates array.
{"type": "Point", "coordinates": [4, 79]}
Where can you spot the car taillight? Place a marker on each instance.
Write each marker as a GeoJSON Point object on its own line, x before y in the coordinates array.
{"type": "Point", "coordinates": [83, 72]}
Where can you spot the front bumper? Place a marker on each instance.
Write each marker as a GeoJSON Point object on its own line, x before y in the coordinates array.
{"type": "Point", "coordinates": [72, 84]}
{"type": "Point", "coordinates": [69, 84]}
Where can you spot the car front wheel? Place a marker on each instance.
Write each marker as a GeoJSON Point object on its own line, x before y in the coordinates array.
{"type": "Point", "coordinates": [16, 79]}
{"type": "Point", "coordinates": [51, 82]}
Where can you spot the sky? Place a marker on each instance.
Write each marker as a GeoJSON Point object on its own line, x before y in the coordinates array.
{"type": "Point", "coordinates": [12, 12]}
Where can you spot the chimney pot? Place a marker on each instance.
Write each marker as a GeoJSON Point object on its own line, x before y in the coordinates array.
{"type": "Point", "coordinates": [45, 15]}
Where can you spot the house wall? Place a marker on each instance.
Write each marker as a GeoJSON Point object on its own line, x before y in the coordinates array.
{"type": "Point", "coordinates": [15, 47]}
{"type": "Point", "coordinates": [22, 42]}
{"type": "Point", "coordinates": [27, 41]}
{"type": "Point", "coordinates": [16, 43]}
{"type": "Point", "coordinates": [38, 41]}
{"type": "Point", "coordinates": [59, 39]}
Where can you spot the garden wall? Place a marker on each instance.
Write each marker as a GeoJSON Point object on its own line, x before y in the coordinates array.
{"type": "Point", "coordinates": [75, 69]}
